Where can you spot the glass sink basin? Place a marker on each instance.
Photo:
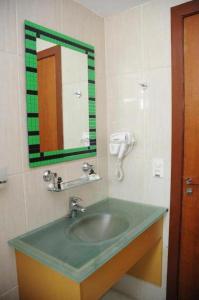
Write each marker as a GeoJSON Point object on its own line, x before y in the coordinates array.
{"type": "Point", "coordinates": [78, 247]}
{"type": "Point", "coordinates": [98, 228]}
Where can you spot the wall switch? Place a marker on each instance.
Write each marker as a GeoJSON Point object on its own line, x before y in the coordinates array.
{"type": "Point", "coordinates": [158, 167]}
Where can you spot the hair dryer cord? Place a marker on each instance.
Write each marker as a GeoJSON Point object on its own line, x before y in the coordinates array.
{"type": "Point", "coordinates": [119, 170]}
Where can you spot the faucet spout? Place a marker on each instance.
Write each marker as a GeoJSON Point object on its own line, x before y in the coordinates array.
{"type": "Point", "coordinates": [81, 209]}
{"type": "Point", "coordinates": [74, 207]}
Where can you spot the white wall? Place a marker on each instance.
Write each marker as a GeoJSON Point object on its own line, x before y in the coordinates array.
{"type": "Point", "coordinates": [138, 48]}
{"type": "Point", "coordinates": [25, 202]}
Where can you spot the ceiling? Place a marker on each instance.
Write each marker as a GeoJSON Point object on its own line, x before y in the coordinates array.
{"type": "Point", "coordinates": [106, 8]}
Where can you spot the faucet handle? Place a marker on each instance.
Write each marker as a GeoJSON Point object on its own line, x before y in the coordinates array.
{"type": "Point", "coordinates": [75, 199]}
{"type": "Point", "coordinates": [49, 175]}
{"type": "Point", "coordinates": [86, 167]}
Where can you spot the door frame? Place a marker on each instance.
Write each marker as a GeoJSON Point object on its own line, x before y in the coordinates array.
{"type": "Point", "coordinates": [178, 13]}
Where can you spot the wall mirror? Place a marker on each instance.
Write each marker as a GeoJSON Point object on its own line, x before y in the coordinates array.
{"type": "Point", "coordinates": [60, 96]}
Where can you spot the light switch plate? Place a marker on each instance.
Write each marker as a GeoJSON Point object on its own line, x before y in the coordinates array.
{"type": "Point", "coordinates": [158, 167]}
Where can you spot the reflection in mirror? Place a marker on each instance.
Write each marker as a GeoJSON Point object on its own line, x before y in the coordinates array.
{"type": "Point", "coordinates": [63, 97]}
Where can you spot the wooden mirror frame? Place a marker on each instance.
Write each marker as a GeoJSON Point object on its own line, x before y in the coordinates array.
{"type": "Point", "coordinates": [36, 157]}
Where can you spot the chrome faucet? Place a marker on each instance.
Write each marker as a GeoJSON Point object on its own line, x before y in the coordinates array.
{"type": "Point", "coordinates": [74, 207]}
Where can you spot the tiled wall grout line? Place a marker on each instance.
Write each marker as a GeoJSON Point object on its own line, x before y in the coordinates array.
{"type": "Point", "coordinates": [8, 292]}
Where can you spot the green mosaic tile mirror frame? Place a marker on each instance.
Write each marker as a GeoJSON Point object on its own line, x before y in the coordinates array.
{"type": "Point", "coordinates": [36, 157]}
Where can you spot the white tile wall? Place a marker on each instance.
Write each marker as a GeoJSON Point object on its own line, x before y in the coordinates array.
{"type": "Point", "coordinates": [11, 294]}
{"type": "Point", "coordinates": [10, 150]}
{"type": "Point", "coordinates": [8, 33]}
{"type": "Point", "coordinates": [138, 50]}
{"type": "Point", "coordinates": [156, 33]}
{"type": "Point", "coordinates": [123, 43]}
{"type": "Point", "coordinates": [46, 13]}
{"type": "Point", "coordinates": [24, 200]}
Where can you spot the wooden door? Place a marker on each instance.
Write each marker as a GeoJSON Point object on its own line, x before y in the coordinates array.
{"type": "Point", "coordinates": [189, 252]}
{"type": "Point", "coordinates": [183, 264]}
{"type": "Point", "coordinates": [50, 99]}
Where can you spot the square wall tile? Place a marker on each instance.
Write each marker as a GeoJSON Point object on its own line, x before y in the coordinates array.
{"type": "Point", "coordinates": [123, 42]}
{"type": "Point", "coordinates": [101, 116]}
{"type": "Point", "coordinates": [158, 114]}
{"type": "Point", "coordinates": [8, 274]}
{"type": "Point", "coordinates": [43, 206]}
{"type": "Point", "coordinates": [156, 34]}
{"type": "Point", "coordinates": [132, 187]}
{"type": "Point", "coordinates": [125, 109]}
{"type": "Point", "coordinates": [12, 207]}
{"type": "Point", "coordinates": [11, 294]}
{"type": "Point", "coordinates": [23, 114]}
{"type": "Point", "coordinates": [82, 24]}
{"type": "Point", "coordinates": [46, 13]}
{"type": "Point", "coordinates": [8, 32]}
{"type": "Point", "coordinates": [177, 2]}
{"type": "Point", "coordinates": [12, 224]}
{"type": "Point", "coordinates": [10, 151]}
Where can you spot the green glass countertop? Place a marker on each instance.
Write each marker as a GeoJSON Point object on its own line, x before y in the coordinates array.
{"type": "Point", "coordinates": [52, 246]}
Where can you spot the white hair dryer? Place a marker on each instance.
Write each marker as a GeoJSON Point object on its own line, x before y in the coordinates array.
{"type": "Point", "coordinates": [121, 143]}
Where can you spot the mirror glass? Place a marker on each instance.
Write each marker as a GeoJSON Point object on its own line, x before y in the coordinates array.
{"type": "Point", "coordinates": [63, 97]}
{"type": "Point", "coordinates": [60, 96]}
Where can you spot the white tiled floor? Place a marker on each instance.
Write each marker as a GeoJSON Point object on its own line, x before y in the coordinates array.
{"type": "Point", "coordinates": [114, 295]}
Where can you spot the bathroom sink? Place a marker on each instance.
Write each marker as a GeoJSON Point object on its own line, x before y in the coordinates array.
{"type": "Point", "coordinates": [98, 228]}
{"type": "Point", "coordinates": [77, 247]}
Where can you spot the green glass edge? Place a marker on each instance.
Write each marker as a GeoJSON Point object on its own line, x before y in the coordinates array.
{"type": "Point", "coordinates": [65, 151]}
{"type": "Point", "coordinates": [91, 62]}
{"type": "Point", "coordinates": [60, 160]}
{"type": "Point", "coordinates": [29, 32]}
{"type": "Point", "coordinates": [32, 104]}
